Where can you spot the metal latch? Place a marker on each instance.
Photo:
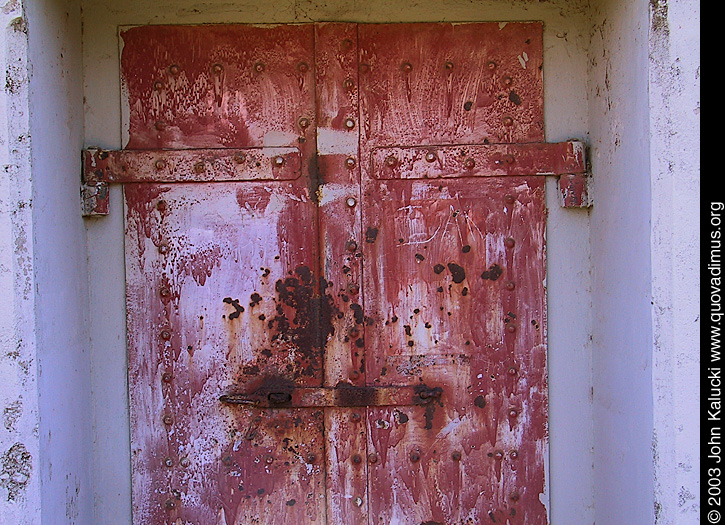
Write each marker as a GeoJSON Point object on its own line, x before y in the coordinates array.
{"type": "Point", "coordinates": [340, 396]}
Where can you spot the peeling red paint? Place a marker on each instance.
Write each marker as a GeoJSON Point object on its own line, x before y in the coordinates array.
{"type": "Point", "coordinates": [376, 276]}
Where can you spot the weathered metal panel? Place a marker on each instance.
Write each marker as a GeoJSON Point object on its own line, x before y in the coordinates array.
{"type": "Point", "coordinates": [454, 269]}
{"type": "Point", "coordinates": [451, 83]}
{"type": "Point", "coordinates": [338, 135]}
{"type": "Point", "coordinates": [222, 277]}
{"type": "Point", "coordinates": [454, 285]}
{"type": "Point", "coordinates": [336, 307]}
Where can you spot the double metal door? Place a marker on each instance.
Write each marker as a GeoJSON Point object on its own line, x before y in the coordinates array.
{"type": "Point", "coordinates": [335, 272]}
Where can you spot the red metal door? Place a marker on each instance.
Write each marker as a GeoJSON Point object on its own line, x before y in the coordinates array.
{"type": "Point", "coordinates": [335, 272]}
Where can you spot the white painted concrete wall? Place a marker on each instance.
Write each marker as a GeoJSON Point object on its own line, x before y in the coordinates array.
{"type": "Point", "coordinates": [622, 312]}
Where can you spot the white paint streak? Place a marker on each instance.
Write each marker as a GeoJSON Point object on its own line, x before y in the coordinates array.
{"type": "Point", "coordinates": [336, 142]}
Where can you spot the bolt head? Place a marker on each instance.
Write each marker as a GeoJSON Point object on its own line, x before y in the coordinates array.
{"type": "Point", "coordinates": [508, 121]}
{"type": "Point", "coordinates": [354, 375]}
{"type": "Point", "coordinates": [304, 122]}
{"type": "Point", "coordinates": [351, 202]}
{"type": "Point", "coordinates": [269, 460]}
{"type": "Point", "coordinates": [168, 462]}
{"type": "Point", "coordinates": [349, 123]}
{"type": "Point", "coordinates": [239, 158]}
{"type": "Point", "coordinates": [415, 456]}
{"type": "Point", "coordinates": [259, 67]}
{"type": "Point", "coordinates": [166, 377]}
{"type": "Point", "coordinates": [167, 419]}
{"type": "Point", "coordinates": [279, 161]}
{"type": "Point", "coordinates": [510, 285]}
{"type": "Point", "coordinates": [303, 67]}
{"type": "Point", "coordinates": [160, 164]}
{"type": "Point", "coordinates": [170, 504]}
{"type": "Point", "coordinates": [348, 84]}
{"type": "Point", "coordinates": [511, 328]}
{"type": "Point", "coordinates": [491, 65]}
{"type": "Point", "coordinates": [350, 162]}
{"type": "Point", "coordinates": [406, 67]}
{"type": "Point", "coordinates": [507, 81]}
{"type": "Point", "coordinates": [514, 454]}
{"type": "Point", "coordinates": [510, 242]}
{"type": "Point", "coordinates": [430, 156]}
{"type": "Point", "coordinates": [391, 161]}
{"type": "Point", "coordinates": [456, 456]}
{"type": "Point", "coordinates": [185, 462]}
{"type": "Point", "coordinates": [373, 458]}
{"type": "Point", "coordinates": [351, 246]}
{"type": "Point", "coordinates": [217, 69]}
{"type": "Point", "coordinates": [199, 167]}
{"type": "Point", "coordinates": [512, 371]}
{"type": "Point", "coordinates": [513, 412]}
{"type": "Point", "coordinates": [165, 335]}
{"type": "Point", "coordinates": [158, 85]}
{"type": "Point", "coordinates": [498, 454]}
{"type": "Point", "coordinates": [358, 502]}
{"type": "Point", "coordinates": [357, 459]}
{"type": "Point", "coordinates": [449, 65]}
{"type": "Point", "coordinates": [469, 163]}
{"type": "Point", "coordinates": [174, 69]}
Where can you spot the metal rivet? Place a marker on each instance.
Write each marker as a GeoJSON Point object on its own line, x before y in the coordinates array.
{"type": "Point", "coordinates": [239, 158]}
{"type": "Point", "coordinates": [498, 454]}
{"type": "Point", "coordinates": [170, 504]}
{"type": "Point", "coordinates": [507, 81]}
{"type": "Point", "coordinates": [508, 158]}
{"type": "Point", "coordinates": [358, 501]}
{"type": "Point", "coordinates": [456, 456]}
{"type": "Point", "coordinates": [353, 288]}
{"type": "Point", "coordinates": [269, 460]}
{"type": "Point", "coordinates": [357, 459]}
{"type": "Point", "coordinates": [351, 246]}
{"type": "Point", "coordinates": [217, 69]}
{"type": "Point", "coordinates": [158, 85]}
{"type": "Point", "coordinates": [348, 84]}
{"type": "Point", "coordinates": [303, 122]}
{"type": "Point", "coordinates": [163, 248]}
{"type": "Point", "coordinates": [349, 123]}
{"type": "Point", "coordinates": [185, 462]}
{"type": "Point", "coordinates": [508, 121]}
{"type": "Point", "coordinates": [351, 202]}
{"type": "Point", "coordinates": [199, 167]}
{"type": "Point", "coordinates": [354, 374]}
{"type": "Point", "coordinates": [430, 156]}
{"type": "Point", "coordinates": [514, 496]}
{"type": "Point", "coordinates": [259, 67]}
{"type": "Point", "coordinates": [449, 65]}
{"type": "Point", "coordinates": [510, 285]}
{"type": "Point", "coordinates": [354, 332]}
{"type": "Point", "coordinates": [513, 412]}
{"type": "Point", "coordinates": [161, 205]}
{"type": "Point", "coordinates": [391, 161]}
{"type": "Point", "coordinates": [303, 67]}
{"type": "Point", "coordinates": [174, 69]}
{"type": "Point", "coordinates": [311, 458]}
{"type": "Point", "coordinates": [509, 199]}
{"type": "Point", "coordinates": [350, 162]}
{"type": "Point", "coordinates": [512, 371]}
{"type": "Point", "coordinates": [415, 456]}
{"type": "Point", "coordinates": [407, 67]}
{"type": "Point", "coordinates": [160, 164]}
{"type": "Point", "coordinates": [514, 454]}
{"type": "Point", "coordinates": [510, 242]}
{"type": "Point", "coordinates": [373, 458]}
{"type": "Point", "coordinates": [355, 417]}
{"type": "Point", "coordinates": [469, 163]}
{"type": "Point", "coordinates": [279, 161]}
{"type": "Point", "coordinates": [167, 419]}
{"type": "Point", "coordinates": [491, 65]}
{"type": "Point", "coordinates": [165, 334]}
{"type": "Point", "coordinates": [166, 377]}
{"type": "Point", "coordinates": [168, 462]}
{"type": "Point", "coordinates": [511, 328]}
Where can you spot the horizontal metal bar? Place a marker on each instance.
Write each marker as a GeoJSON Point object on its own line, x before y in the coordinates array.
{"type": "Point", "coordinates": [190, 165]}
{"type": "Point", "coordinates": [479, 160]}
{"type": "Point", "coordinates": [341, 396]}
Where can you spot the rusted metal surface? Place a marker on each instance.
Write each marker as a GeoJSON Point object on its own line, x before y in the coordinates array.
{"type": "Point", "coordinates": [344, 395]}
{"type": "Point", "coordinates": [197, 165]}
{"type": "Point", "coordinates": [335, 272]}
{"type": "Point", "coordinates": [574, 190]}
{"type": "Point", "coordinates": [499, 160]}
{"type": "Point", "coordinates": [223, 283]}
{"type": "Point", "coordinates": [454, 269]}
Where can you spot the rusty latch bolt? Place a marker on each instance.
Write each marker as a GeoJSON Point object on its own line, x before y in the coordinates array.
{"type": "Point", "coordinates": [279, 398]}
